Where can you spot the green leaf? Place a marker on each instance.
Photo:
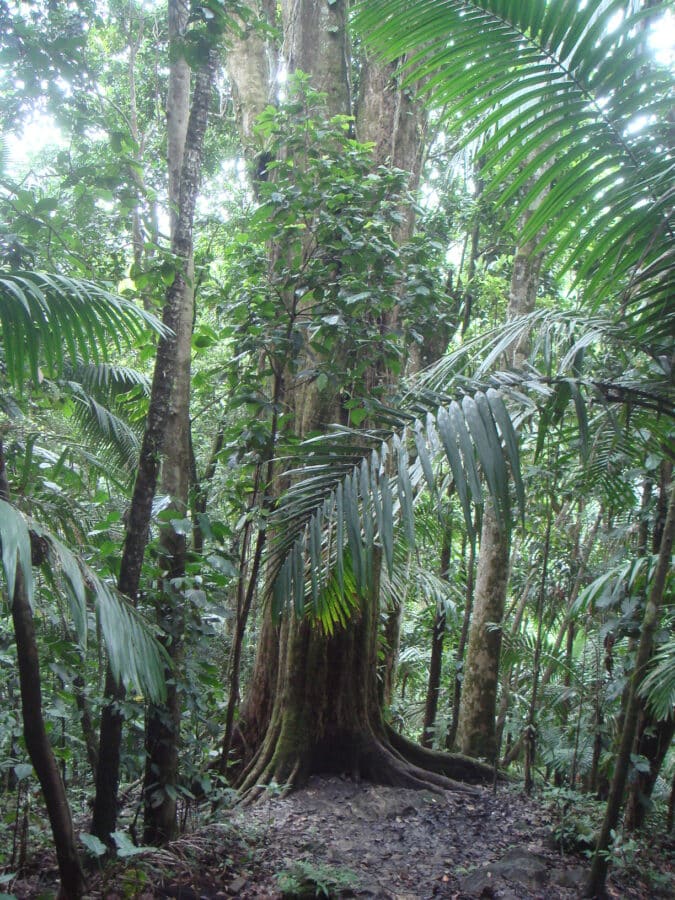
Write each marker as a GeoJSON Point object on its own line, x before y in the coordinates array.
{"type": "Point", "coordinates": [23, 770]}
{"type": "Point", "coordinates": [96, 847]}
{"type": "Point", "coordinates": [16, 549]}
{"type": "Point", "coordinates": [125, 846]}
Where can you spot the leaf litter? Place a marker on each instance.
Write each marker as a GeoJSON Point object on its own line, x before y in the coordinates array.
{"type": "Point", "coordinates": [340, 838]}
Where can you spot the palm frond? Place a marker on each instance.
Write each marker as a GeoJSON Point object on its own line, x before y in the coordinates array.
{"type": "Point", "coordinates": [355, 486]}
{"type": "Point", "coordinates": [104, 429]}
{"type": "Point", "coordinates": [659, 685]}
{"type": "Point", "coordinates": [609, 589]}
{"type": "Point", "coordinates": [136, 657]}
{"type": "Point", "coordinates": [107, 381]}
{"type": "Point", "coordinates": [16, 549]}
{"type": "Point", "coordinates": [411, 577]}
{"type": "Point", "coordinates": [47, 319]}
{"type": "Point", "coordinates": [574, 116]}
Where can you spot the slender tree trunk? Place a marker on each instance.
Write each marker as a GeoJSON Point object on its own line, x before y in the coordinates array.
{"type": "Point", "coordinates": [476, 728]}
{"type": "Point", "coordinates": [88, 728]}
{"type": "Point", "coordinates": [654, 736]}
{"type": "Point", "coordinates": [476, 725]}
{"type": "Point", "coordinates": [593, 785]}
{"type": "Point", "coordinates": [434, 683]}
{"type": "Point", "coordinates": [654, 741]}
{"type": "Point", "coordinates": [162, 730]}
{"type": "Point", "coordinates": [199, 487]}
{"type": "Point", "coordinates": [566, 629]}
{"type": "Point", "coordinates": [437, 640]}
{"type": "Point", "coordinates": [474, 250]}
{"type": "Point", "coordinates": [35, 734]}
{"type": "Point", "coordinates": [510, 678]}
{"type": "Point", "coordinates": [461, 647]}
{"type": "Point", "coordinates": [531, 743]}
{"type": "Point", "coordinates": [107, 778]}
{"type": "Point", "coordinates": [596, 886]}
{"type": "Point", "coordinates": [39, 748]}
{"type": "Point", "coordinates": [248, 576]}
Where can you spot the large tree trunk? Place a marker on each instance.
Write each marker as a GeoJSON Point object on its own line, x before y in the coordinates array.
{"type": "Point", "coordinates": [104, 817]}
{"type": "Point", "coordinates": [313, 703]}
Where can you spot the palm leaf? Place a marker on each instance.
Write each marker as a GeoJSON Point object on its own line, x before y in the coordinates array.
{"type": "Point", "coordinates": [355, 487]}
{"type": "Point", "coordinates": [136, 657]}
{"type": "Point", "coordinates": [104, 429]}
{"type": "Point", "coordinates": [659, 685]}
{"type": "Point", "coordinates": [16, 550]}
{"type": "Point", "coordinates": [48, 318]}
{"type": "Point", "coordinates": [556, 89]}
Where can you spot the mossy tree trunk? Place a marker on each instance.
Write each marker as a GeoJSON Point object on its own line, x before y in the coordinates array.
{"type": "Point", "coordinates": [476, 733]}
{"type": "Point", "coordinates": [476, 728]}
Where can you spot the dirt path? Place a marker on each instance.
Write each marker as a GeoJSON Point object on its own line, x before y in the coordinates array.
{"type": "Point", "coordinates": [337, 838]}
{"type": "Point", "coordinates": [407, 844]}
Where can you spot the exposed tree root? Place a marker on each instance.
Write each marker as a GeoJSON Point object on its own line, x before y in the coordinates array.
{"type": "Point", "coordinates": [395, 762]}
{"type": "Point", "coordinates": [454, 766]}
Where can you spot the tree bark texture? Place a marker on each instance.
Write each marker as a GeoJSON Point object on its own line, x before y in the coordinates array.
{"type": "Point", "coordinates": [162, 727]}
{"type": "Point", "coordinates": [436, 661]}
{"type": "Point", "coordinates": [476, 730]}
{"type": "Point", "coordinates": [107, 779]}
{"type": "Point", "coordinates": [315, 42]}
{"type": "Point", "coordinates": [451, 739]}
{"type": "Point", "coordinates": [654, 736]}
{"type": "Point", "coordinates": [251, 68]}
{"type": "Point", "coordinates": [39, 748]}
{"type": "Point", "coordinates": [653, 742]}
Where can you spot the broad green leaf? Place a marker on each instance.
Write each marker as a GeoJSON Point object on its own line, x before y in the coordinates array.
{"type": "Point", "coordinates": [16, 550]}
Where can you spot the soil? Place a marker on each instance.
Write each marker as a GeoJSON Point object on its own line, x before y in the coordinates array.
{"type": "Point", "coordinates": [338, 838]}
